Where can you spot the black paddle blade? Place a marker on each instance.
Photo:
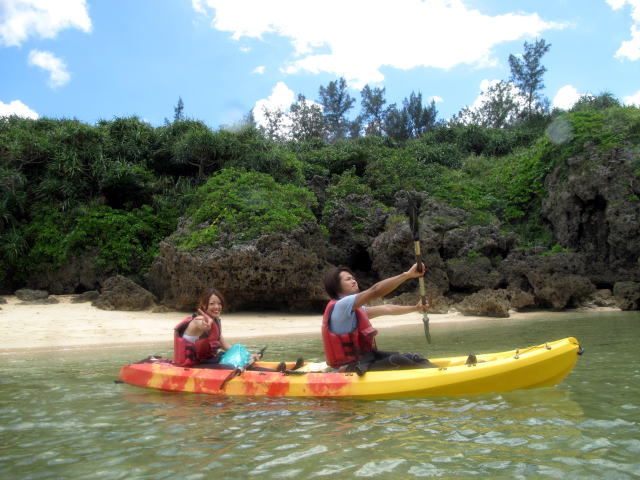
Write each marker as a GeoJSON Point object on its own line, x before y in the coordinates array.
{"type": "Point", "coordinates": [425, 322]}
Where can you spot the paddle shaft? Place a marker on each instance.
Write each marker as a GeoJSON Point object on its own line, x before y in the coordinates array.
{"type": "Point", "coordinates": [423, 295]}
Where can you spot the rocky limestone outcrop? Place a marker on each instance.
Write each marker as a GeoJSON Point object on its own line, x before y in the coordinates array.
{"type": "Point", "coordinates": [601, 298]}
{"type": "Point", "coordinates": [594, 209]}
{"type": "Point", "coordinates": [85, 297]}
{"type": "Point", "coordinates": [353, 223]}
{"type": "Point", "coordinates": [473, 273]}
{"type": "Point", "coordinates": [78, 275]}
{"type": "Point", "coordinates": [627, 295]}
{"type": "Point", "coordinates": [28, 294]}
{"type": "Point", "coordinates": [120, 293]}
{"type": "Point", "coordinates": [35, 297]}
{"type": "Point", "coordinates": [278, 271]}
{"type": "Point", "coordinates": [557, 280]}
{"type": "Point", "coordinates": [486, 303]}
{"type": "Point", "coordinates": [393, 250]}
{"type": "Point", "coordinates": [487, 241]}
{"type": "Point", "coordinates": [558, 291]}
{"type": "Point", "coordinates": [495, 303]}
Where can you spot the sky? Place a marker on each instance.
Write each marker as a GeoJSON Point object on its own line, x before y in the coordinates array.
{"type": "Point", "coordinates": [97, 60]}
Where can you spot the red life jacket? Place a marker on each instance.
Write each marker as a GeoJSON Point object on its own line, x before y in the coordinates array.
{"type": "Point", "coordinates": [187, 354]}
{"type": "Point", "coordinates": [347, 347]}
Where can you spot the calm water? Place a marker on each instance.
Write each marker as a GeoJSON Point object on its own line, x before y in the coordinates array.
{"type": "Point", "coordinates": [63, 417]}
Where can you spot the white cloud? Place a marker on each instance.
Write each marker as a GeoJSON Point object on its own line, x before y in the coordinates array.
{"type": "Point", "coordinates": [629, 48]}
{"type": "Point", "coordinates": [368, 34]}
{"type": "Point", "coordinates": [437, 99]}
{"type": "Point", "coordinates": [58, 74]}
{"type": "Point", "coordinates": [197, 6]}
{"type": "Point", "coordinates": [281, 98]}
{"type": "Point", "coordinates": [20, 19]}
{"type": "Point", "coordinates": [566, 97]}
{"type": "Point", "coordinates": [259, 70]}
{"type": "Point", "coordinates": [633, 99]}
{"type": "Point", "coordinates": [16, 107]}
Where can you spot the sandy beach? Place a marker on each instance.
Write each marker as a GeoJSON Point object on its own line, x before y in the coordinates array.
{"type": "Point", "coordinates": [67, 325]}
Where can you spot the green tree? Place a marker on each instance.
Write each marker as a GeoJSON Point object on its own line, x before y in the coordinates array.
{"type": "Point", "coordinates": [420, 117]}
{"type": "Point", "coordinates": [412, 120]}
{"type": "Point", "coordinates": [206, 150]}
{"type": "Point", "coordinates": [599, 102]}
{"type": "Point", "coordinates": [178, 111]}
{"type": "Point", "coordinates": [336, 102]}
{"type": "Point", "coordinates": [527, 73]}
{"type": "Point", "coordinates": [307, 120]}
{"type": "Point", "coordinates": [499, 108]}
{"type": "Point", "coordinates": [372, 102]}
{"type": "Point", "coordinates": [396, 122]}
{"type": "Point", "coordinates": [275, 127]}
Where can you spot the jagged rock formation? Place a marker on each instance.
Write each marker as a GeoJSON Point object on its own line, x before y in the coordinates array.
{"type": "Point", "coordinates": [79, 275]}
{"type": "Point", "coordinates": [627, 295]}
{"type": "Point", "coordinates": [272, 272]}
{"type": "Point", "coordinates": [488, 303]}
{"type": "Point", "coordinates": [35, 297]}
{"type": "Point", "coordinates": [594, 208]}
{"type": "Point", "coordinates": [120, 293]}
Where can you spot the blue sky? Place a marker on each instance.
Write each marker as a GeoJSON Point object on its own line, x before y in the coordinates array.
{"type": "Point", "coordinates": [100, 59]}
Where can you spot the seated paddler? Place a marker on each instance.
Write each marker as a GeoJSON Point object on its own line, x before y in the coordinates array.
{"type": "Point", "coordinates": [347, 334]}
{"type": "Point", "coordinates": [198, 340]}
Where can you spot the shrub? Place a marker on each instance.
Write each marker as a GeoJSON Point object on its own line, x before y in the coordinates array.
{"type": "Point", "coordinates": [125, 242]}
{"type": "Point", "coordinates": [236, 205]}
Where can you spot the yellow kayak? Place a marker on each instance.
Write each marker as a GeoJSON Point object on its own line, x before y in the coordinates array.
{"type": "Point", "coordinates": [537, 366]}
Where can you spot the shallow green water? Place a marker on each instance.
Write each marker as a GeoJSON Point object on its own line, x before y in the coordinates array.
{"type": "Point", "coordinates": [63, 417]}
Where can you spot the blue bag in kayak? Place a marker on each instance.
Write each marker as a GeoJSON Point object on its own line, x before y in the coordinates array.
{"type": "Point", "coordinates": [237, 356]}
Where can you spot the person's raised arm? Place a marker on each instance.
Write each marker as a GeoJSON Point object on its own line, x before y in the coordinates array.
{"type": "Point", "coordinates": [386, 286]}
{"type": "Point", "coordinates": [380, 310]}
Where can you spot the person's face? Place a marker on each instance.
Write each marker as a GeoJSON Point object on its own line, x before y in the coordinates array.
{"type": "Point", "coordinates": [348, 284]}
{"type": "Point", "coordinates": [214, 308]}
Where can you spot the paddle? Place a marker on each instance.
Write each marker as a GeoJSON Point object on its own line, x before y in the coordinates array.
{"type": "Point", "coordinates": [414, 221]}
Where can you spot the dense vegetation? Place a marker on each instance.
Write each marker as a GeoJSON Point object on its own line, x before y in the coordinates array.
{"type": "Point", "coordinates": [114, 190]}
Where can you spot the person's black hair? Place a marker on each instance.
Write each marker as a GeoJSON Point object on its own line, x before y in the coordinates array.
{"type": "Point", "coordinates": [332, 280]}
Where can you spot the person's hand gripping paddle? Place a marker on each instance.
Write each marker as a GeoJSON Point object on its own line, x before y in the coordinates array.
{"type": "Point", "coordinates": [414, 221]}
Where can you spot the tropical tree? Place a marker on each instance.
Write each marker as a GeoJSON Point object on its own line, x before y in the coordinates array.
{"type": "Point", "coordinates": [307, 120]}
{"type": "Point", "coordinates": [499, 107]}
{"type": "Point", "coordinates": [372, 102]}
{"type": "Point", "coordinates": [527, 73]}
{"type": "Point", "coordinates": [599, 102]}
{"type": "Point", "coordinates": [412, 120]}
{"type": "Point", "coordinates": [178, 111]}
{"type": "Point", "coordinates": [275, 124]}
{"type": "Point", "coordinates": [336, 102]}
{"type": "Point", "coordinates": [420, 117]}
{"type": "Point", "coordinates": [206, 150]}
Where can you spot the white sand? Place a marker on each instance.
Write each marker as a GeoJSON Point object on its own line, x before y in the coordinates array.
{"type": "Point", "coordinates": [79, 325]}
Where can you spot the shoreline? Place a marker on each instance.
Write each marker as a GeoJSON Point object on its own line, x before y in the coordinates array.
{"type": "Point", "coordinates": [78, 326]}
